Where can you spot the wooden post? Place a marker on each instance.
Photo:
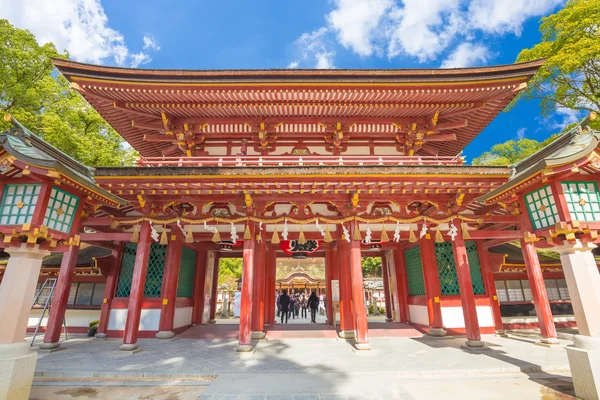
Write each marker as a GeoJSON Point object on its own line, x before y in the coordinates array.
{"type": "Point", "coordinates": [215, 286]}
{"type": "Point", "coordinates": [401, 284]}
{"type": "Point", "coordinates": [258, 299]}
{"type": "Point", "coordinates": [270, 285]}
{"type": "Point", "coordinates": [433, 292]}
{"type": "Point", "coordinates": [169, 286]}
{"type": "Point", "coordinates": [490, 287]}
{"type": "Point", "coordinates": [328, 278]}
{"type": "Point", "coordinates": [245, 340]}
{"type": "Point", "coordinates": [347, 322]}
{"type": "Point", "coordinates": [59, 301]}
{"type": "Point", "coordinates": [467, 297]}
{"type": "Point", "coordinates": [138, 282]}
{"type": "Point", "coordinates": [386, 289]}
{"type": "Point", "coordinates": [358, 296]}
{"type": "Point", "coordinates": [538, 292]}
{"type": "Point", "coordinates": [109, 290]}
{"type": "Point", "coordinates": [199, 284]}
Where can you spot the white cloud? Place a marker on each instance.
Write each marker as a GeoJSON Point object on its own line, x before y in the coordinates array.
{"type": "Point", "coordinates": [79, 26]}
{"type": "Point", "coordinates": [422, 29]}
{"type": "Point", "coordinates": [316, 49]}
{"type": "Point", "coordinates": [521, 133]}
{"type": "Point", "coordinates": [293, 65]}
{"type": "Point", "coordinates": [356, 21]}
{"type": "Point", "coordinates": [566, 116]}
{"type": "Point", "coordinates": [467, 55]}
{"type": "Point", "coordinates": [502, 16]}
{"type": "Point", "coordinates": [150, 43]}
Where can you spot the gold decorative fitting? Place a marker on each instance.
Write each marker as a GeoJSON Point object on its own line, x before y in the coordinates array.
{"type": "Point", "coordinates": [189, 236]}
{"type": "Point", "coordinates": [59, 211]}
{"type": "Point", "coordinates": [357, 235]}
{"type": "Point", "coordinates": [327, 238]}
{"type": "Point", "coordinates": [163, 237]}
{"type": "Point", "coordinates": [135, 236]}
{"type": "Point", "coordinates": [384, 235]}
{"type": "Point", "coordinates": [530, 237]}
{"type": "Point", "coordinates": [216, 237]}
{"type": "Point", "coordinates": [247, 235]}
{"type": "Point", "coordinates": [412, 238]}
{"type": "Point", "coordinates": [301, 237]}
{"type": "Point", "coordinates": [543, 208]}
{"type": "Point", "coordinates": [465, 231]}
{"type": "Point", "coordinates": [275, 237]}
{"type": "Point", "coordinates": [20, 204]}
{"type": "Point", "coordinates": [582, 202]}
{"type": "Point", "coordinates": [438, 236]}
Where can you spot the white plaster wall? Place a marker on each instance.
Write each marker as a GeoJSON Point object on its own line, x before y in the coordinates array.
{"type": "Point", "coordinates": [526, 319]}
{"type": "Point", "coordinates": [453, 317]}
{"type": "Point", "coordinates": [182, 317]}
{"type": "Point", "coordinates": [418, 314]}
{"type": "Point", "coordinates": [149, 319]}
{"type": "Point", "coordinates": [74, 318]}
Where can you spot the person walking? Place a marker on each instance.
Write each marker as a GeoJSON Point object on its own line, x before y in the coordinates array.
{"type": "Point", "coordinates": [304, 305]}
{"type": "Point", "coordinates": [284, 303]}
{"type": "Point", "coordinates": [278, 304]}
{"type": "Point", "coordinates": [313, 304]}
{"type": "Point", "coordinates": [292, 308]}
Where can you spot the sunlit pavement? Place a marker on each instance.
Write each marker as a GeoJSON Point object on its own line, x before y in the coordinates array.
{"type": "Point", "coordinates": [396, 367]}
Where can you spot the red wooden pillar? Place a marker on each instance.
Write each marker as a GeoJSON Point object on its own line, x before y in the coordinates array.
{"type": "Point", "coordinates": [433, 292]}
{"type": "Point", "coordinates": [245, 341]}
{"type": "Point", "coordinates": [109, 290]}
{"type": "Point", "coordinates": [465, 283]}
{"type": "Point", "coordinates": [401, 283]}
{"type": "Point", "coordinates": [138, 282]}
{"type": "Point", "coordinates": [328, 278]}
{"type": "Point", "coordinates": [215, 285]}
{"type": "Point", "coordinates": [347, 322]}
{"type": "Point", "coordinates": [358, 296]}
{"type": "Point", "coordinates": [490, 287]}
{"type": "Point", "coordinates": [169, 286]}
{"type": "Point", "coordinates": [538, 291]}
{"type": "Point", "coordinates": [386, 289]}
{"type": "Point", "coordinates": [199, 284]}
{"type": "Point", "coordinates": [270, 284]}
{"type": "Point", "coordinates": [59, 301]}
{"type": "Point", "coordinates": [258, 299]}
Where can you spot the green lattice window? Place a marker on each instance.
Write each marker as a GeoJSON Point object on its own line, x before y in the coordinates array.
{"type": "Point", "coordinates": [475, 267]}
{"type": "Point", "coordinates": [447, 268]}
{"type": "Point", "coordinates": [61, 210]}
{"type": "Point", "coordinates": [126, 273]}
{"type": "Point", "coordinates": [156, 270]}
{"type": "Point", "coordinates": [583, 200]}
{"type": "Point", "coordinates": [154, 275]}
{"type": "Point", "coordinates": [18, 204]}
{"type": "Point", "coordinates": [187, 267]}
{"type": "Point", "coordinates": [414, 271]}
{"type": "Point", "coordinates": [542, 208]}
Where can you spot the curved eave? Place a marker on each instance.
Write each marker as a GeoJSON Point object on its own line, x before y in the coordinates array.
{"type": "Point", "coordinates": [72, 69]}
{"type": "Point", "coordinates": [73, 179]}
{"type": "Point", "coordinates": [545, 166]}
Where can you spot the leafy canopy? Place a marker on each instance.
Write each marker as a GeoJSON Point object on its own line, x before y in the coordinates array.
{"type": "Point", "coordinates": [512, 151]}
{"type": "Point", "coordinates": [34, 93]}
{"type": "Point", "coordinates": [570, 76]}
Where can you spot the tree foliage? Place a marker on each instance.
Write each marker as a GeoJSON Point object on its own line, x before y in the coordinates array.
{"type": "Point", "coordinates": [371, 267]}
{"type": "Point", "coordinates": [570, 76]}
{"type": "Point", "coordinates": [40, 98]}
{"type": "Point", "coordinates": [512, 151]}
{"type": "Point", "coordinates": [230, 271]}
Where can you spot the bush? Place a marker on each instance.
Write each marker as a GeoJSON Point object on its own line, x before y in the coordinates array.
{"type": "Point", "coordinates": [94, 324]}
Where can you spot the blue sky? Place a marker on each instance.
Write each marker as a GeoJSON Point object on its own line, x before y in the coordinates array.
{"type": "Point", "coordinates": [228, 34]}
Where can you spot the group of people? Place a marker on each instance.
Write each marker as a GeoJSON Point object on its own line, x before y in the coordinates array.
{"type": "Point", "coordinates": [296, 305]}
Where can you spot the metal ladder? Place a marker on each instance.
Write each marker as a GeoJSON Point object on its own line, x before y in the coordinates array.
{"type": "Point", "coordinates": [49, 283]}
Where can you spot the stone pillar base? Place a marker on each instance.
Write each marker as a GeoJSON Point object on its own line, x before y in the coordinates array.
{"type": "Point", "coordinates": [437, 332]}
{"type": "Point", "coordinates": [16, 375]}
{"type": "Point", "coordinates": [257, 335]}
{"type": "Point", "coordinates": [131, 348]}
{"type": "Point", "coordinates": [389, 320]}
{"type": "Point", "coordinates": [549, 341]}
{"type": "Point", "coordinates": [501, 333]}
{"type": "Point", "coordinates": [165, 335]}
{"type": "Point", "coordinates": [100, 335]}
{"type": "Point", "coordinates": [50, 347]}
{"type": "Point", "coordinates": [584, 361]}
{"type": "Point", "coordinates": [346, 334]}
{"type": "Point", "coordinates": [362, 346]}
{"type": "Point", "coordinates": [474, 343]}
{"type": "Point", "coordinates": [212, 321]}
{"type": "Point", "coordinates": [244, 348]}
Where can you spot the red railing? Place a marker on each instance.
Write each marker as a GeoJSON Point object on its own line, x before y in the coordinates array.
{"type": "Point", "coordinates": [294, 161]}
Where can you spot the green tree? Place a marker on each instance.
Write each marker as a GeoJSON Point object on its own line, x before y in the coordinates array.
{"type": "Point", "coordinates": [371, 267]}
{"type": "Point", "coordinates": [512, 151]}
{"type": "Point", "coordinates": [230, 271]}
{"type": "Point", "coordinates": [40, 98]}
{"type": "Point", "coordinates": [570, 76]}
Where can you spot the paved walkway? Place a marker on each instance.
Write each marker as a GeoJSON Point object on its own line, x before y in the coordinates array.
{"type": "Point", "coordinates": [396, 367]}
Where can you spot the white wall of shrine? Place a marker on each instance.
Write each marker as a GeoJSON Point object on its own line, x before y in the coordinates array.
{"type": "Point", "coordinates": [149, 319]}
{"type": "Point", "coordinates": [182, 317]}
{"type": "Point", "coordinates": [418, 314]}
{"type": "Point", "coordinates": [74, 318]}
{"type": "Point", "coordinates": [453, 317]}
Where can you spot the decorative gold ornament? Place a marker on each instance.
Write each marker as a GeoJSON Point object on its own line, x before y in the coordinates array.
{"type": "Point", "coordinates": [216, 237]}
{"type": "Point", "coordinates": [20, 204]}
{"type": "Point", "coordinates": [164, 240]}
{"type": "Point", "coordinates": [438, 236]}
{"type": "Point", "coordinates": [135, 236]}
{"type": "Point", "coordinates": [275, 237]}
{"type": "Point", "coordinates": [543, 208]}
{"type": "Point", "coordinates": [301, 238]}
{"type": "Point", "coordinates": [412, 238]}
{"type": "Point", "coordinates": [327, 238]}
{"type": "Point", "coordinates": [189, 236]}
{"type": "Point", "coordinates": [357, 235]}
{"type": "Point", "coordinates": [59, 211]}
{"type": "Point", "coordinates": [247, 235]}
{"type": "Point", "coordinates": [384, 235]}
{"type": "Point", "coordinates": [465, 231]}
{"type": "Point", "coordinates": [582, 202]}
